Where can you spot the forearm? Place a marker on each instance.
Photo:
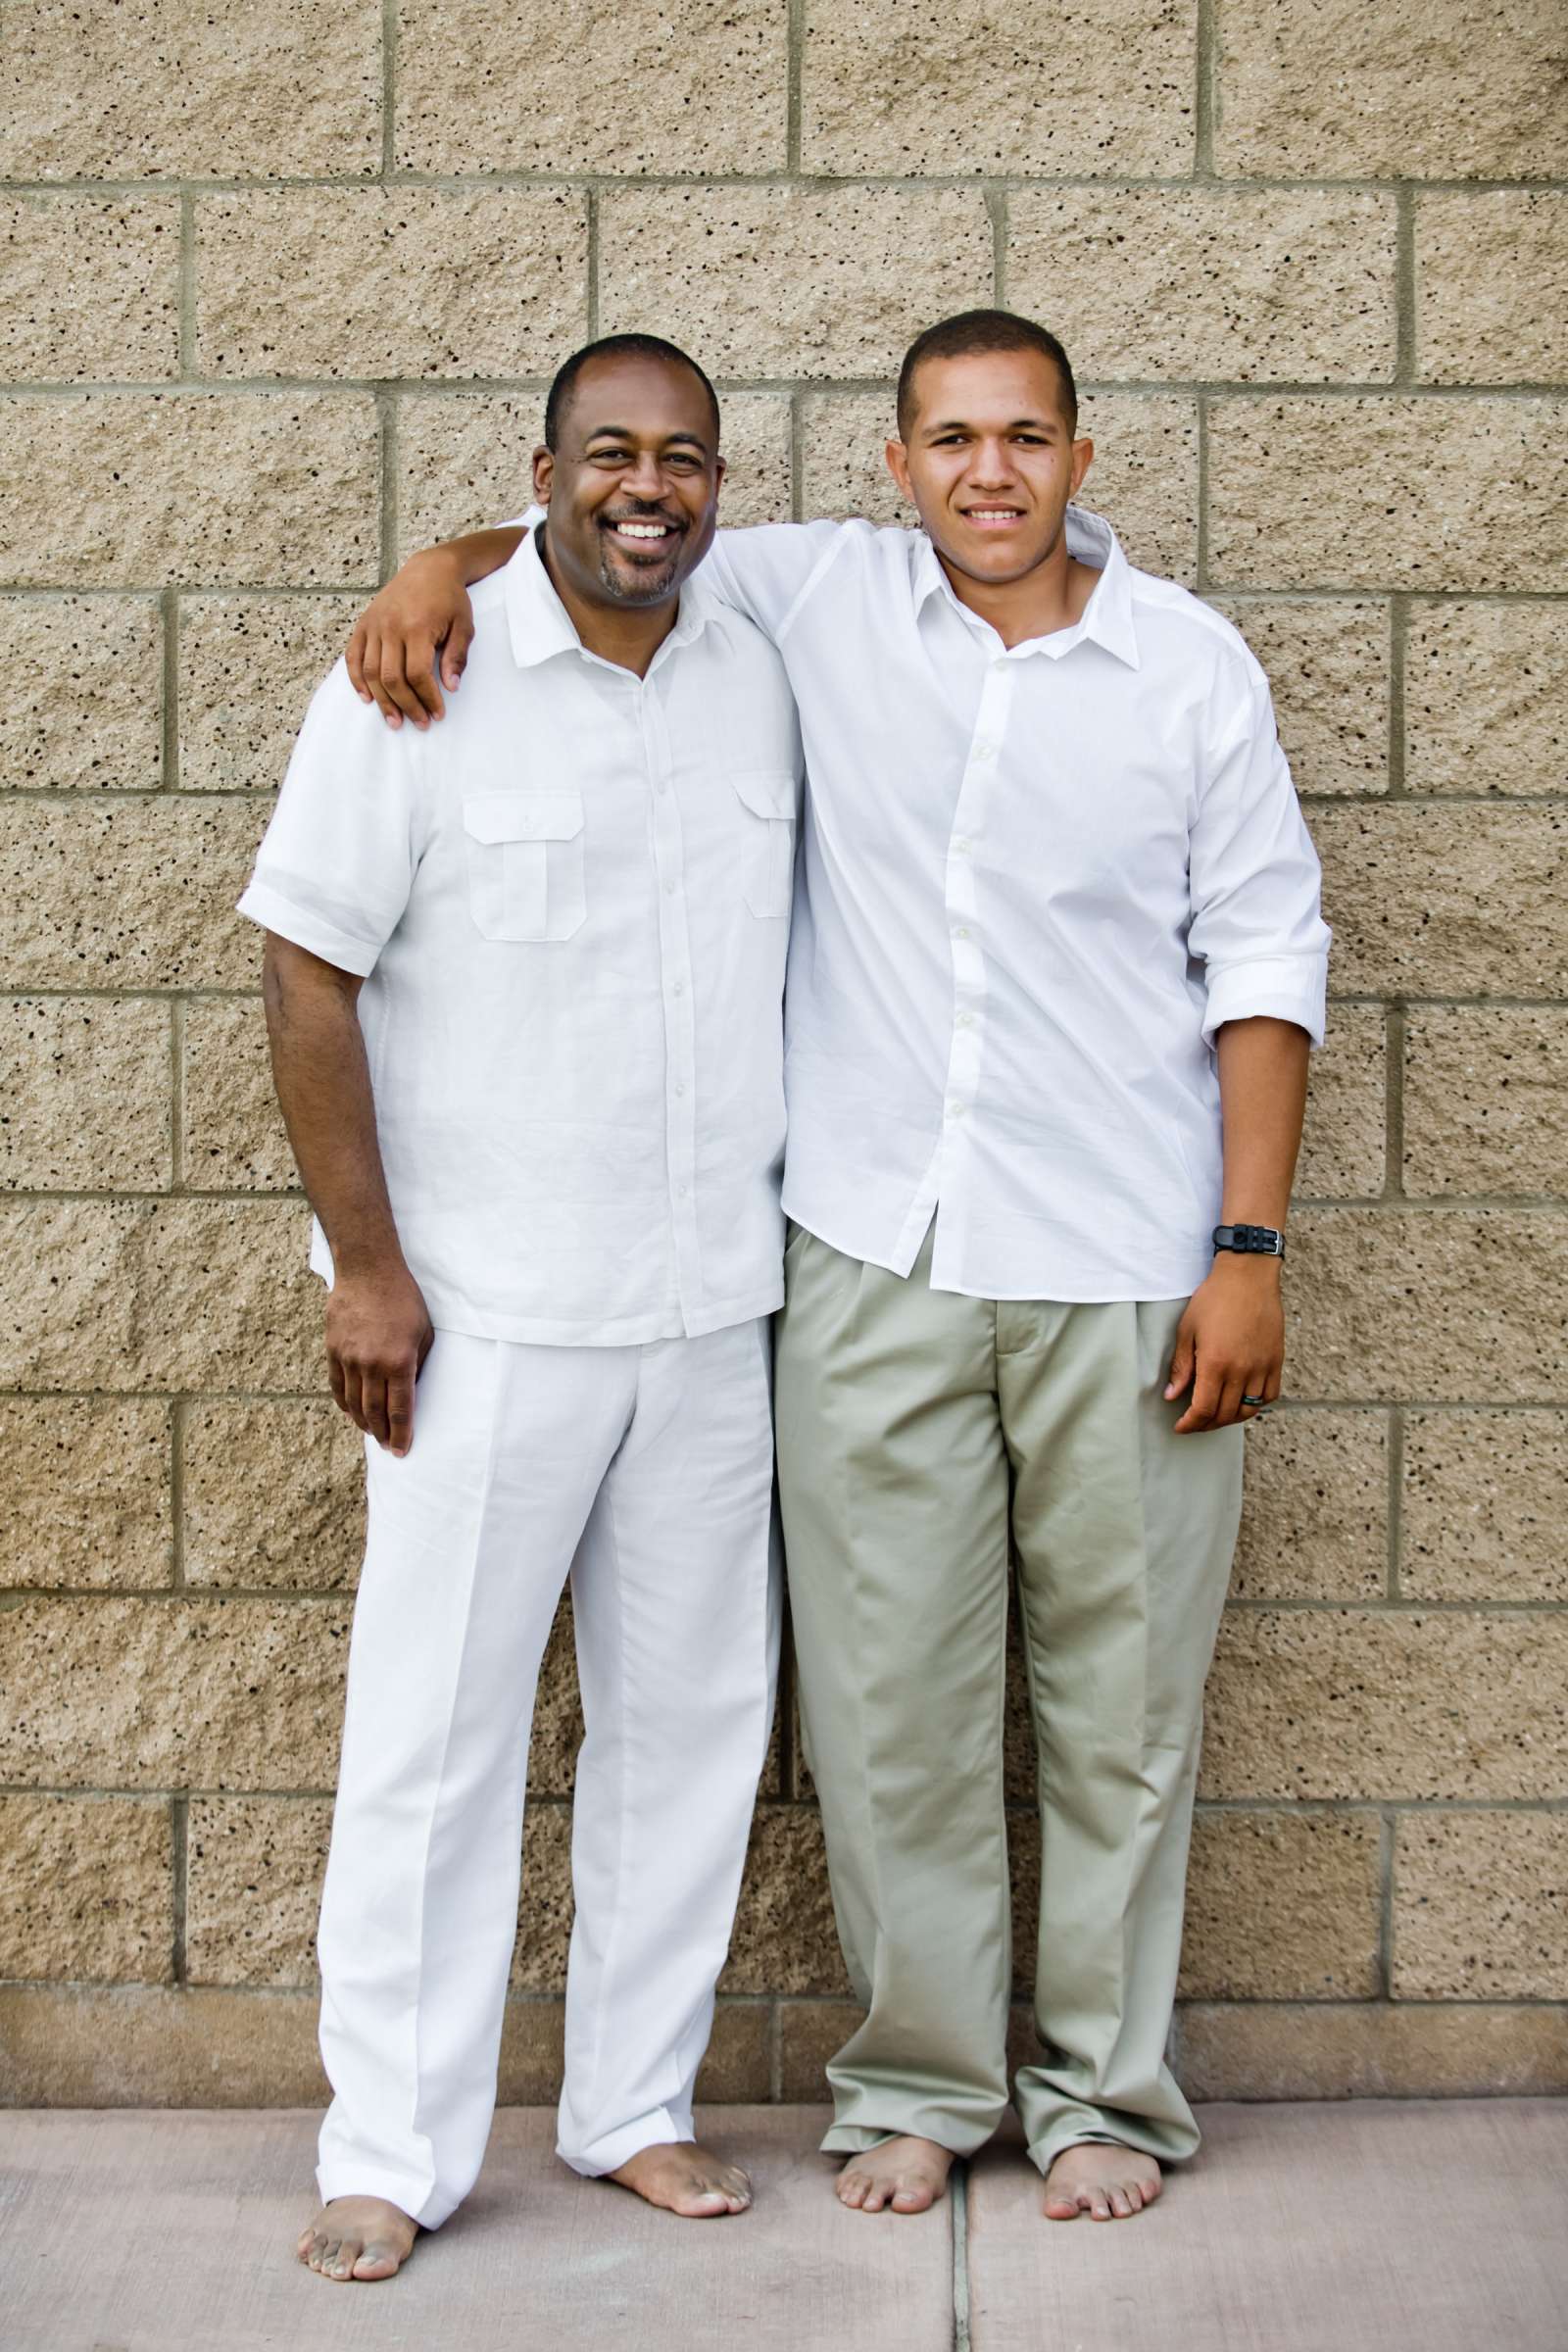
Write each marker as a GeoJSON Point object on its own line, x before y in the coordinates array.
{"type": "Point", "coordinates": [1262, 1087]}
{"type": "Point", "coordinates": [478, 554]}
{"type": "Point", "coordinates": [324, 1088]}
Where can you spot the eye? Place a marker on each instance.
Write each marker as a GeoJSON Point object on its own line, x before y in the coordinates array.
{"type": "Point", "coordinates": [684, 461]}
{"type": "Point", "coordinates": [609, 455]}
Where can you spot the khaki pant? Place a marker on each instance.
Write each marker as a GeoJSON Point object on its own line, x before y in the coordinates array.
{"type": "Point", "coordinates": [914, 1428]}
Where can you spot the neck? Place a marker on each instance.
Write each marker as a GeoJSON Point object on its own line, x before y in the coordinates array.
{"type": "Point", "coordinates": [628, 635]}
{"type": "Point", "coordinates": [1050, 597]}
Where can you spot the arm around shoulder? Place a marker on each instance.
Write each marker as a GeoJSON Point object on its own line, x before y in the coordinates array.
{"type": "Point", "coordinates": [413, 638]}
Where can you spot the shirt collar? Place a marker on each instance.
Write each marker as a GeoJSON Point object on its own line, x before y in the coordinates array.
{"type": "Point", "coordinates": [540, 626]}
{"type": "Point", "coordinates": [1108, 617]}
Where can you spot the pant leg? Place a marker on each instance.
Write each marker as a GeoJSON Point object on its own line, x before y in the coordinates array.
{"type": "Point", "coordinates": [1124, 1534]}
{"type": "Point", "coordinates": [894, 1487]}
{"type": "Point", "coordinates": [675, 1595]}
{"type": "Point", "coordinates": [470, 1541]}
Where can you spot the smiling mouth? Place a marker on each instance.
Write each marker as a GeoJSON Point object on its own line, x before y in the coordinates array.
{"type": "Point", "coordinates": [993, 519]}
{"type": "Point", "coordinates": [639, 531]}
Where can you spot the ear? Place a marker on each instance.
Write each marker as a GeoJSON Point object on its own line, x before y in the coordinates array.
{"type": "Point", "coordinates": [897, 457]}
{"type": "Point", "coordinates": [1083, 455]}
{"type": "Point", "coordinates": [544, 473]}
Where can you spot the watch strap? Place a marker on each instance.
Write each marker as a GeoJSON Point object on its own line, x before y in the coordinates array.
{"type": "Point", "coordinates": [1255, 1241]}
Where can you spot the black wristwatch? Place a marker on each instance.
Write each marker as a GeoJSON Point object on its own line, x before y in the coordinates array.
{"type": "Point", "coordinates": [1261, 1241]}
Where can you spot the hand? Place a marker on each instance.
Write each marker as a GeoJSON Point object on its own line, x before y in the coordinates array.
{"type": "Point", "coordinates": [424, 611]}
{"type": "Point", "coordinates": [377, 1335]}
{"type": "Point", "coordinates": [1230, 1343]}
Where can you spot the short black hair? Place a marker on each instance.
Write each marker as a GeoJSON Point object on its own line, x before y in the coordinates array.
{"type": "Point", "coordinates": [973, 331]}
{"type": "Point", "coordinates": [646, 347]}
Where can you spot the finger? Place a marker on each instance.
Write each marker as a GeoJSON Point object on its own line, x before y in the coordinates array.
{"type": "Point", "coordinates": [394, 677]}
{"type": "Point", "coordinates": [455, 658]}
{"type": "Point", "coordinates": [1270, 1390]}
{"type": "Point", "coordinates": [353, 1398]}
{"type": "Point", "coordinates": [355, 658]}
{"type": "Point", "coordinates": [335, 1373]}
{"type": "Point", "coordinates": [373, 652]}
{"type": "Point", "coordinates": [1200, 1414]}
{"type": "Point", "coordinates": [423, 683]}
{"type": "Point", "coordinates": [1183, 1359]}
{"type": "Point", "coordinates": [372, 1402]}
{"type": "Point", "coordinates": [400, 1409]}
{"type": "Point", "coordinates": [1228, 1407]}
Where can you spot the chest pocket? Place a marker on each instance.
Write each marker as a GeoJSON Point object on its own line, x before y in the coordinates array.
{"type": "Point", "coordinates": [768, 796]}
{"type": "Point", "coordinates": [525, 867]}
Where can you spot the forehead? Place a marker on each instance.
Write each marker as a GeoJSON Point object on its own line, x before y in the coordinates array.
{"type": "Point", "coordinates": [988, 387]}
{"type": "Point", "coordinates": [648, 397]}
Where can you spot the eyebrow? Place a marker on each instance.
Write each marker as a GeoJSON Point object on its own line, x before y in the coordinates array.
{"type": "Point", "coordinates": [963, 425]}
{"type": "Point", "coordinates": [624, 432]}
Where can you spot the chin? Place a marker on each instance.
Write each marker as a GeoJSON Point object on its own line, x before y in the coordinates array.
{"type": "Point", "coordinates": [633, 586]}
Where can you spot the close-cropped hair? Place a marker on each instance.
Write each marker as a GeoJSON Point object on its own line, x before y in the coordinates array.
{"type": "Point", "coordinates": [972, 332]}
{"type": "Point", "coordinates": [646, 347]}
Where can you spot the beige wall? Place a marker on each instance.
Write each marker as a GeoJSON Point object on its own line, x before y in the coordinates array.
{"type": "Point", "coordinates": [279, 286]}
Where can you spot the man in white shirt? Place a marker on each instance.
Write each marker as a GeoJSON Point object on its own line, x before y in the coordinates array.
{"type": "Point", "coordinates": [1055, 968]}
{"type": "Point", "coordinates": [524, 989]}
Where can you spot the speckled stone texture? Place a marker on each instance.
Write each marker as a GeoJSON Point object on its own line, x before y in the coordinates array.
{"type": "Point", "coordinates": [87, 1105]}
{"type": "Point", "coordinates": [1289, 285]}
{"type": "Point", "coordinates": [86, 1497]}
{"type": "Point", "coordinates": [1482, 1497]}
{"type": "Point", "coordinates": [1315, 1513]}
{"type": "Point", "coordinates": [282, 292]}
{"type": "Point", "coordinates": [84, 700]}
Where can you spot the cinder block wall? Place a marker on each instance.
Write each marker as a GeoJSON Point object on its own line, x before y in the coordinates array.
{"type": "Point", "coordinates": [279, 288]}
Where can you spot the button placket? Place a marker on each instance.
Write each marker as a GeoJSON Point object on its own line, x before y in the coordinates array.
{"type": "Point", "coordinates": [675, 988]}
{"type": "Point", "coordinates": [961, 900]}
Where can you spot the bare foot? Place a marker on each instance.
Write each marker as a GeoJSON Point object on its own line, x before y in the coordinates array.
{"type": "Point", "coordinates": [357, 2237]}
{"type": "Point", "coordinates": [686, 2179]}
{"type": "Point", "coordinates": [906, 2174]}
{"type": "Point", "coordinates": [1103, 2178]}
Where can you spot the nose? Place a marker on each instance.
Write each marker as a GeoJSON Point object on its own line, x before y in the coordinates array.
{"type": "Point", "coordinates": [991, 468]}
{"type": "Point", "coordinates": [645, 479]}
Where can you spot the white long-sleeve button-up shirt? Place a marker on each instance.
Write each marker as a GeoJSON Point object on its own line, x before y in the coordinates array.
{"type": "Point", "coordinates": [572, 904]}
{"type": "Point", "coordinates": [1034, 884]}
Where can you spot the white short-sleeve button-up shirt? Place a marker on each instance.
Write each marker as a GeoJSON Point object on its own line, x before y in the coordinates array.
{"type": "Point", "coordinates": [1034, 884]}
{"type": "Point", "coordinates": [571, 905]}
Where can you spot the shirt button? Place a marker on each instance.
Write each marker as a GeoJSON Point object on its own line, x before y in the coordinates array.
{"type": "Point", "coordinates": [682, 1191]}
{"type": "Point", "coordinates": [965, 1020]}
{"type": "Point", "coordinates": [669, 889]}
{"type": "Point", "coordinates": [679, 1087]}
{"type": "Point", "coordinates": [660, 784]}
{"type": "Point", "coordinates": [960, 930]}
{"type": "Point", "coordinates": [679, 988]}
{"type": "Point", "coordinates": [961, 844]}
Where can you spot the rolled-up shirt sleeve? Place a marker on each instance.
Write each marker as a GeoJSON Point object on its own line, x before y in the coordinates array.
{"type": "Point", "coordinates": [1256, 924]}
{"type": "Point", "coordinates": [338, 859]}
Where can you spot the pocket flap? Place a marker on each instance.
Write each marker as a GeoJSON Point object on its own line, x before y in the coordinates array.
{"type": "Point", "coordinates": [766, 791]}
{"type": "Point", "coordinates": [523, 816]}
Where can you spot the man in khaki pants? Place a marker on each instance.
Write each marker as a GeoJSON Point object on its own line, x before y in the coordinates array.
{"type": "Point", "coordinates": [1056, 967]}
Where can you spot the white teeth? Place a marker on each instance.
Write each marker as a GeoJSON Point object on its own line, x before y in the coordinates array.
{"type": "Point", "coordinates": [642, 530]}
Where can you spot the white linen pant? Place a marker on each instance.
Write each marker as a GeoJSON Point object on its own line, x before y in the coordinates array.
{"type": "Point", "coordinates": [648, 1473]}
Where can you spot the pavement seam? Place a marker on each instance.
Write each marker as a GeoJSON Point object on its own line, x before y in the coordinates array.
{"type": "Point", "coordinates": [960, 2192]}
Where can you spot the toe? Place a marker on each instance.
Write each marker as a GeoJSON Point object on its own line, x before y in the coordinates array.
{"type": "Point", "coordinates": [1121, 2204]}
{"type": "Point", "coordinates": [852, 2188]}
{"type": "Point", "coordinates": [1098, 2205]}
{"type": "Point", "coordinates": [910, 2200]}
{"type": "Point", "coordinates": [346, 2255]}
{"type": "Point", "coordinates": [1061, 2205]}
{"type": "Point", "coordinates": [1151, 2187]}
{"type": "Point", "coordinates": [376, 2262]}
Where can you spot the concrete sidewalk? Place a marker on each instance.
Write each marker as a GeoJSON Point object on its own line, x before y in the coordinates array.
{"type": "Point", "coordinates": [1404, 2227]}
